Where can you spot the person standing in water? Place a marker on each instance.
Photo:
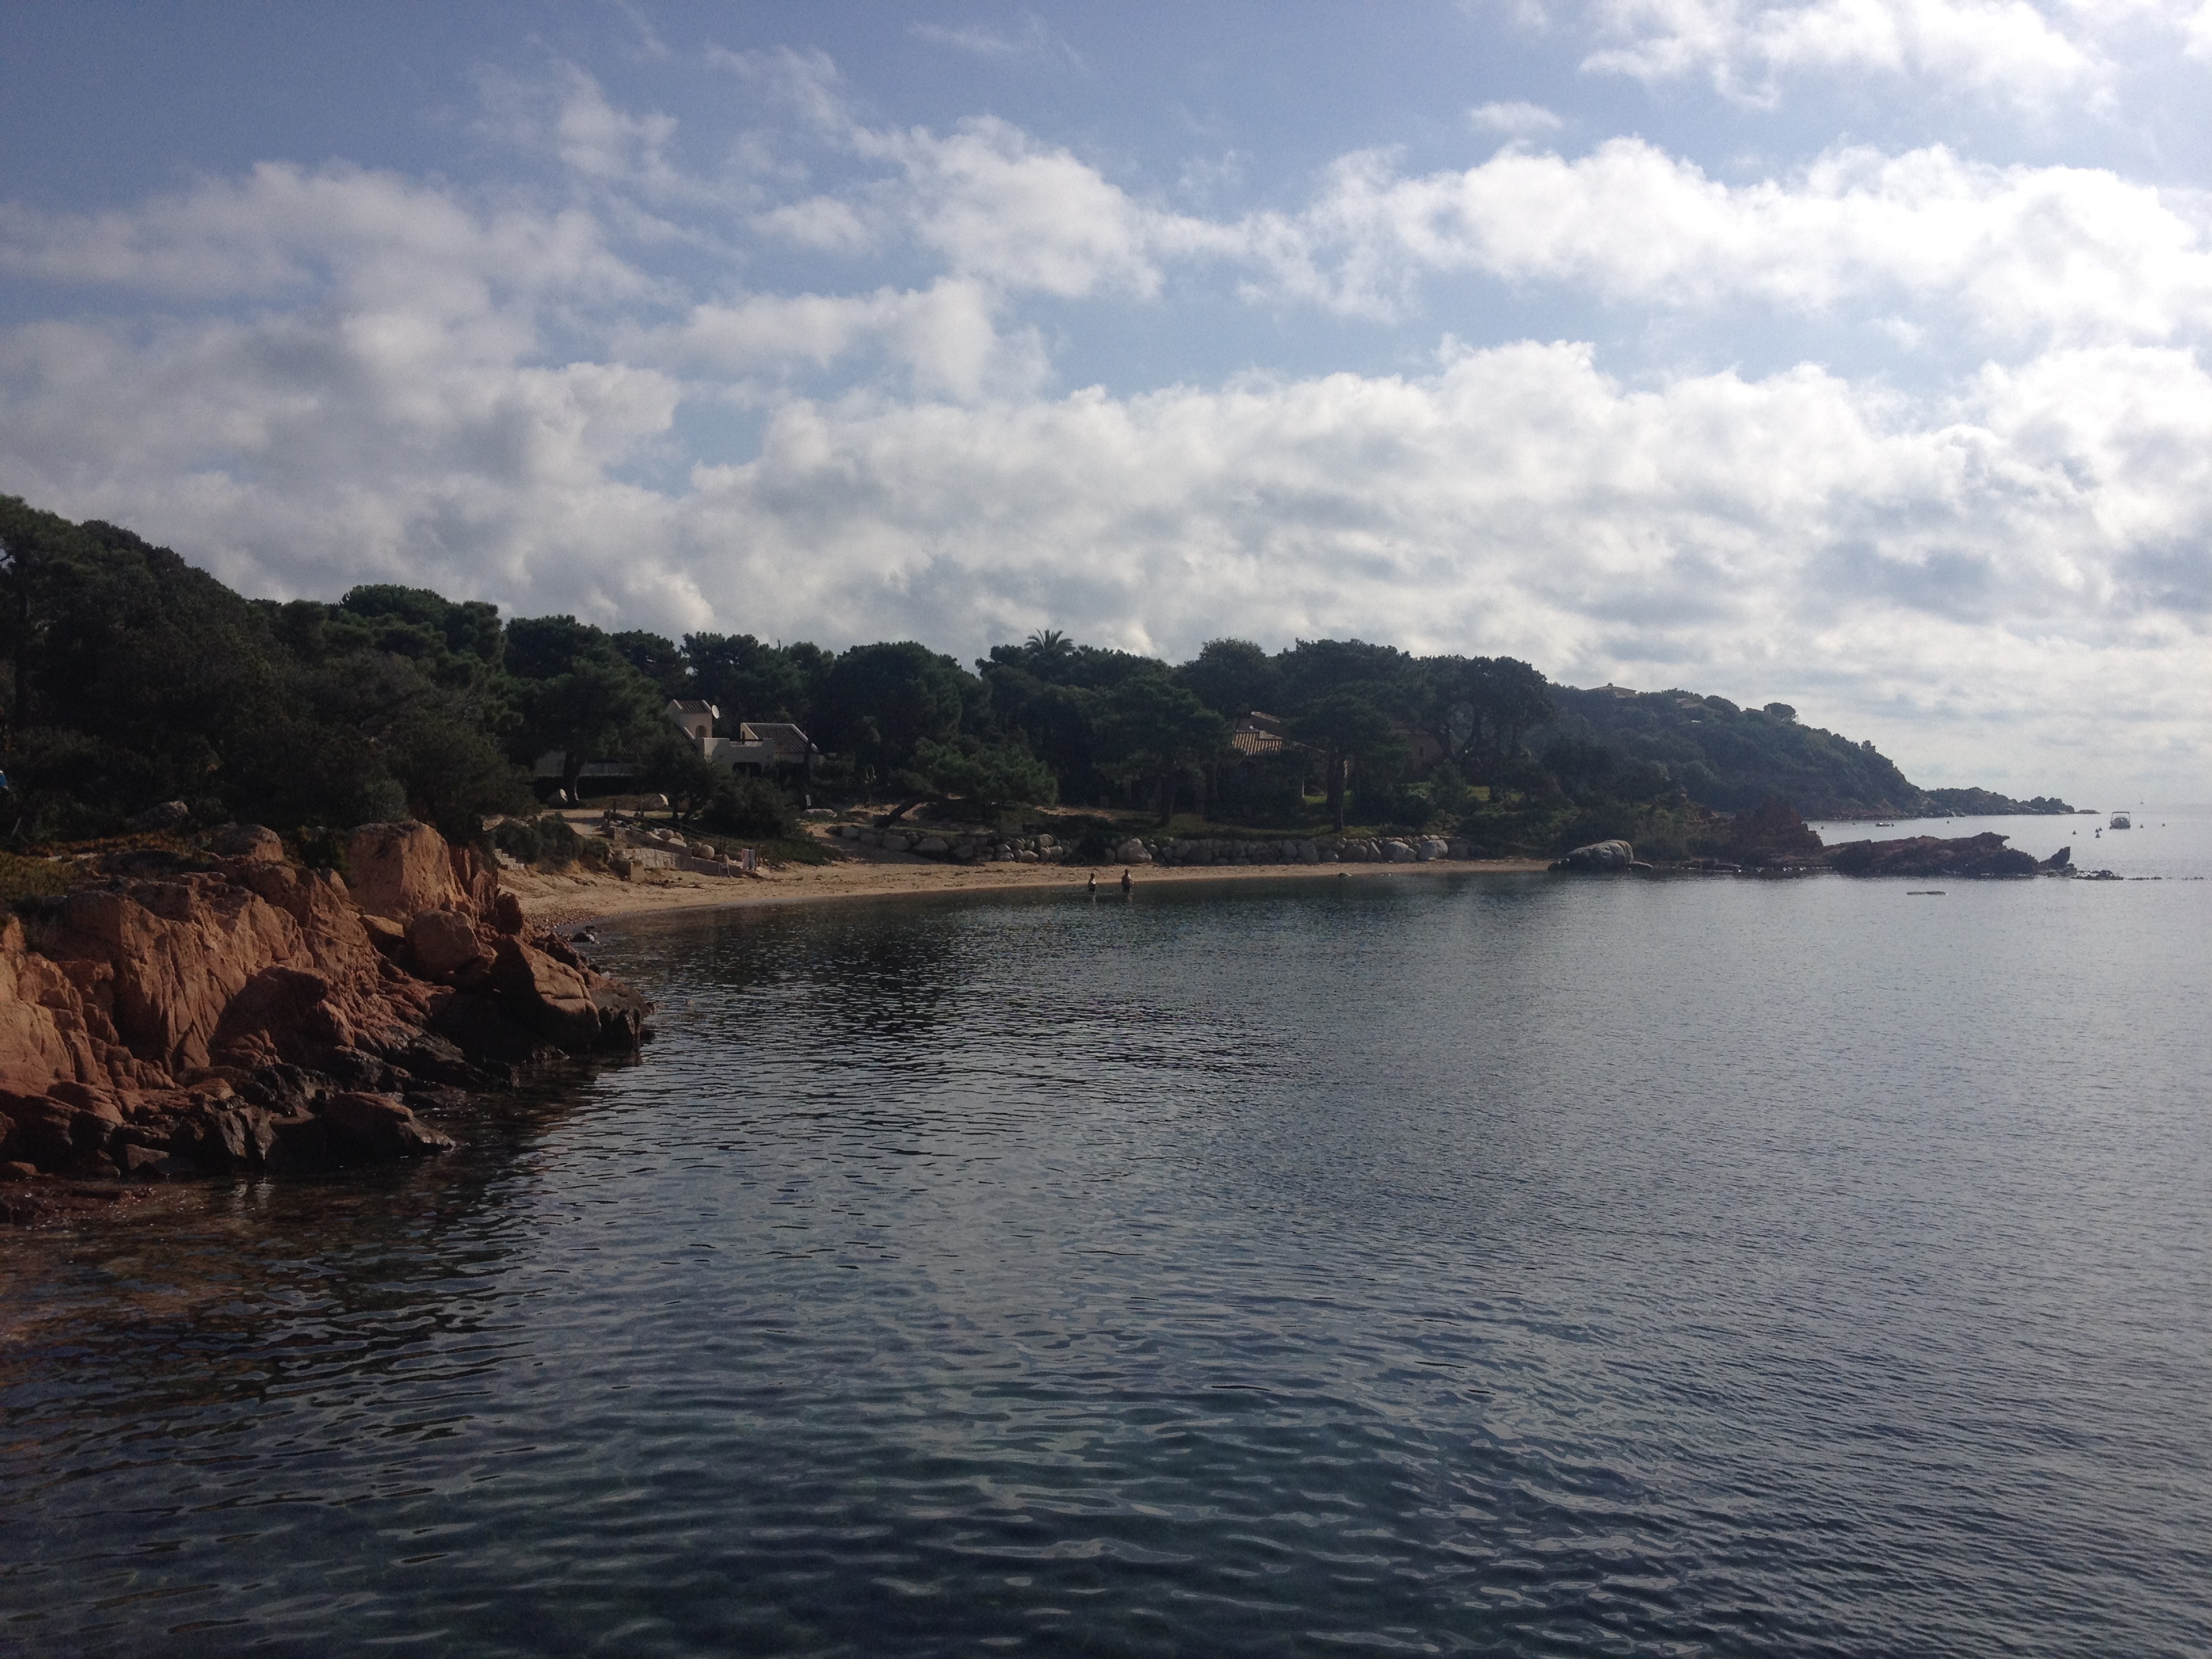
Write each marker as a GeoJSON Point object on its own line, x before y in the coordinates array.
{"type": "Point", "coordinates": [1091, 886]}
{"type": "Point", "coordinates": [1127, 885]}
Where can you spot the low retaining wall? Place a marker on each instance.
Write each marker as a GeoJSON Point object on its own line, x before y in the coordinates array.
{"type": "Point", "coordinates": [977, 847]}
{"type": "Point", "coordinates": [648, 850]}
{"type": "Point", "coordinates": [986, 848]}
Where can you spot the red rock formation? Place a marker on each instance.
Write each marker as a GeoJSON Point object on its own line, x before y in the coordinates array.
{"type": "Point", "coordinates": [401, 869]}
{"type": "Point", "coordinates": [248, 1012]}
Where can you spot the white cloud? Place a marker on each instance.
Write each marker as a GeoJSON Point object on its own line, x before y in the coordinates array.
{"type": "Point", "coordinates": [367, 238]}
{"type": "Point", "coordinates": [566, 114]}
{"type": "Point", "coordinates": [2005, 51]}
{"type": "Point", "coordinates": [946, 337]}
{"type": "Point", "coordinates": [301, 454]}
{"type": "Point", "coordinates": [2196, 33]}
{"type": "Point", "coordinates": [2012, 254]}
{"type": "Point", "coordinates": [1797, 536]}
{"type": "Point", "coordinates": [2004, 255]}
{"type": "Point", "coordinates": [351, 376]}
{"type": "Point", "coordinates": [823, 222]}
{"type": "Point", "coordinates": [1518, 120]}
{"type": "Point", "coordinates": [364, 395]}
{"type": "Point", "coordinates": [804, 84]}
{"type": "Point", "coordinates": [996, 205]}
{"type": "Point", "coordinates": [2018, 565]}
{"type": "Point", "coordinates": [1034, 39]}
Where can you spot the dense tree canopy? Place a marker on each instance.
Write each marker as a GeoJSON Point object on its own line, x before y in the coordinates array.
{"type": "Point", "coordinates": [129, 677]}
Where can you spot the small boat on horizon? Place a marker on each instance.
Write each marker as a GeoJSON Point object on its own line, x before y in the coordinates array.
{"type": "Point", "coordinates": [2120, 821]}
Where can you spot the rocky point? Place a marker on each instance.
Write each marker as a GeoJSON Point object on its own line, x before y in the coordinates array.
{"type": "Point", "coordinates": [225, 1009]}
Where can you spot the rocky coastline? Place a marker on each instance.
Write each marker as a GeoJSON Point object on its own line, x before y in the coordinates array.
{"type": "Point", "coordinates": [219, 1009]}
{"type": "Point", "coordinates": [1776, 841]}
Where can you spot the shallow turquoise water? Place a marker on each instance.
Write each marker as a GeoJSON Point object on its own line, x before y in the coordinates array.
{"type": "Point", "coordinates": [1434, 1265]}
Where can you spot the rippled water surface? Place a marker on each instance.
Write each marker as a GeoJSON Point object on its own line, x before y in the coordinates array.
{"type": "Point", "coordinates": [1408, 1264]}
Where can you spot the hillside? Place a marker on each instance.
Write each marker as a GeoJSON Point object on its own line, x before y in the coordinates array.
{"type": "Point", "coordinates": [1732, 758]}
{"type": "Point", "coordinates": [131, 681]}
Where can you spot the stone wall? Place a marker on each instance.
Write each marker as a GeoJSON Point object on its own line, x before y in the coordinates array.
{"type": "Point", "coordinates": [663, 849]}
{"type": "Point", "coordinates": [961, 846]}
{"type": "Point", "coordinates": [983, 847]}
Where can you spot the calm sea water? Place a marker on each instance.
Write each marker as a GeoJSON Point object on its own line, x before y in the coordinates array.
{"type": "Point", "coordinates": [2168, 842]}
{"type": "Point", "coordinates": [1459, 1265]}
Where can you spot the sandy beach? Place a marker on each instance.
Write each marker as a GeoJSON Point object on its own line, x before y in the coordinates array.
{"type": "Point", "coordinates": [580, 897]}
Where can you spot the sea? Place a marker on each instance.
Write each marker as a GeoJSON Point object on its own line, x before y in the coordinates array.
{"type": "Point", "coordinates": [1398, 1264]}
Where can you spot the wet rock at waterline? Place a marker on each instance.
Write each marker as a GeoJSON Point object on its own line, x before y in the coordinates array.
{"type": "Point", "coordinates": [1986, 854]}
{"type": "Point", "coordinates": [1599, 855]}
{"type": "Point", "coordinates": [226, 1011]}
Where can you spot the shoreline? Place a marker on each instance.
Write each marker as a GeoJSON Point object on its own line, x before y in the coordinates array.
{"type": "Point", "coordinates": [572, 900]}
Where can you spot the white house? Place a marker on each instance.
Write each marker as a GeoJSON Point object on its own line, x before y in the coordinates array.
{"type": "Point", "coordinates": [764, 745]}
{"type": "Point", "coordinates": [696, 719]}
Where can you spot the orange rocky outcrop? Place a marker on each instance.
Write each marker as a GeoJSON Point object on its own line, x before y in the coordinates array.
{"type": "Point", "coordinates": [180, 1013]}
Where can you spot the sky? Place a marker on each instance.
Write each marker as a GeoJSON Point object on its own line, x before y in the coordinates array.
{"type": "Point", "coordinates": [1845, 354]}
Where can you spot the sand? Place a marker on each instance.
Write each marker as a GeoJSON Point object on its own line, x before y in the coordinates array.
{"type": "Point", "coordinates": [866, 872]}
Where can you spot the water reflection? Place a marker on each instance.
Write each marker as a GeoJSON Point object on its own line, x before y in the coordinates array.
{"type": "Point", "coordinates": [1461, 1265]}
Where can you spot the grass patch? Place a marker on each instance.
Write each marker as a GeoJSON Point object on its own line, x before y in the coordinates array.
{"type": "Point", "coordinates": [804, 850]}
{"type": "Point", "coordinates": [30, 878]}
{"type": "Point", "coordinates": [796, 849]}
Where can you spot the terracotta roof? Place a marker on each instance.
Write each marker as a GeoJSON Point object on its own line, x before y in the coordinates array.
{"type": "Point", "coordinates": [1256, 733]}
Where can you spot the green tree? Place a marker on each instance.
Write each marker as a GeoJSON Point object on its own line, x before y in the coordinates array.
{"type": "Point", "coordinates": [576, 692]}
{"type": "Point", "coordinates": [749, 680]}
{"type": "Point", "coordinates": [1583, 766]}
{"type": "Point", "coordinates": [751, 806]}
{"type": "Point", "coordinates": [1382, 675]}
{"type": "Point", "coordinates": [879, 702]}
{"type": "Point", "coordinates": [1156, 735]}
{"type": "Point", "coordinates": [1233, 677]}
{"type": "Point", "coordinates": [672, 765]}
{"type": "Point", "coordinates": [660, 660]}
{"type": "Point", "coordinates": [1510, 700]}
{"type": "Point", "coordinates": [987, 776]}
{"type": "Point", "coordinates": [1350, 732]}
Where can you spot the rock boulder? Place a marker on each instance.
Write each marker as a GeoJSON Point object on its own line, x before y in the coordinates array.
{"type": "Point", "coordinates": [1599, 855]}
{"type": "Point", "coordinates": [400, 870]}
{"type": "Point", "coordinates": [250, 842]}
{"type": "Point", "coordinates": [170, 1014]}
{"type": "Point", "coordinates": [1773, 836]}
{"type": "Point", "coordinates": [443, 942]}
{"type": "Point", "coordinates": [378, 1129]}
{"type": "Point", "coordinates": [1967, 856]}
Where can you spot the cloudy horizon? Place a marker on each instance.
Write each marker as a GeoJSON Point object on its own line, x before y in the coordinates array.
{"type": "Point", "coordinates": [1845, 354]}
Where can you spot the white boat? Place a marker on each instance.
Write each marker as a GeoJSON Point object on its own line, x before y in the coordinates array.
{"type": "Point", "coordinates": [2120, 821]}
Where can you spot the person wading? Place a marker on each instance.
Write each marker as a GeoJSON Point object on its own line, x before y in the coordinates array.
{"type": "Point", "coordinates": [1127, 885]}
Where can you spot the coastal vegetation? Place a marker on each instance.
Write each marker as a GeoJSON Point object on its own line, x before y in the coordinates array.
{"type": "Point", "coordinates": [132, 679]}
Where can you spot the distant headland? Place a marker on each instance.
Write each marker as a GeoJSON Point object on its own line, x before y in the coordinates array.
{"type": "Point", "coordinates": [138, 692]}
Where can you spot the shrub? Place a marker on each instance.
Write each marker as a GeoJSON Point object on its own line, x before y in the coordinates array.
{"type": "Point", "coordinates": [559, 845]}
{"type": "Point", "coordinates": [545, 842]}
{"type": "Point", "coordinates": [318, 848]}
{"type": "Point", "coordinates": [751, 806]}
{"type": "Point", "coordinates": [519, 839]}
{"type": "Point", "coordinates": [24, 878]}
